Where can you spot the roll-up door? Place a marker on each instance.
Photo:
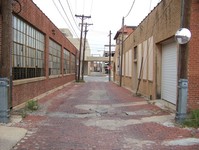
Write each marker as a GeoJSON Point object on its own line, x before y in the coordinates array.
{"type": "Point", "coordinates": [169, 73]}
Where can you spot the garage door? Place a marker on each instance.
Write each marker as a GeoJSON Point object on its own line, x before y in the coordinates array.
{"type": "Point", "coordinates": [169, 73]}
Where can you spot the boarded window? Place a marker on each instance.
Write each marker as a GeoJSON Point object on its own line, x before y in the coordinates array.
{"type": "Point", "coordinates": [145, 59]}
{"type": "Point", "coordinates": [150, 56]}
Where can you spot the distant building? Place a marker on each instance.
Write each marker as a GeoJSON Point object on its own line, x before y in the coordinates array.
{"type": "Point", "coordinates": [76, 42]}
{"type": "Point", "coordinates": [117, 57]}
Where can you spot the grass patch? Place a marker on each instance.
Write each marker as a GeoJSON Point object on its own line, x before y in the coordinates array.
{"type": "Point", "coordinates": [193, 119]}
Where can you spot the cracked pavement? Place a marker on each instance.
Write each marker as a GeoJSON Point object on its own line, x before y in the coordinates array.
{"type": "Point", "coordinates": [99, 115]}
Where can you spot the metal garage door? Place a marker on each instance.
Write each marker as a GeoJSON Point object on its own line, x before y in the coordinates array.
{"type": "Point", "coordinates": [169, 73]}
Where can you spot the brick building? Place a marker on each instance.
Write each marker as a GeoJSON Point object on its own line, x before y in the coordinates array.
{"type": "Point", "coordinates": [151, 55]}
{"type": "Point", "coordinates": [42, 58]}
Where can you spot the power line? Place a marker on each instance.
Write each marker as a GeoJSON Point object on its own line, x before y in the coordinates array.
{"type": "Point", "coordinates": [60, 13]}
{"type": "Point", "coordinates": [64, 18]}
{"type": "Point", "coordinates": [72, 14]}
{"type": "Point", "coordinates": [68, 18]}
{"type": "Point", "coordinates": [130, 9]}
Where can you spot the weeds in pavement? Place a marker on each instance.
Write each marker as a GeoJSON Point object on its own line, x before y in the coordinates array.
{"type": "Point", "coordinates": [193, 119]}
{"type": "Point", "coordinates": [80, 81]}
{"type": "Point", "coordinates": [32, 105]}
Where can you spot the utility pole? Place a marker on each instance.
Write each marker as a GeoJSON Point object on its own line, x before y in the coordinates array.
{"type": "Point", "coordinates": [6, 60]}
{"type": "Point", "coordinates": [84, 48]}
{"type": "Point", "coordinates": [109, 56]}
{"type": "Point", "coordinates": [80, 45]}
{"type": "Point", "coordinates": [109, 45]}
{"type": "Point", "coordinates": [122, 49]}
{"type": "Point", "coordinates": [182, 64]}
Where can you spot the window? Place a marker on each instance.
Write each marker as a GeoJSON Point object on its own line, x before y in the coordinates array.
{"type": "Point", "coordinates": [139, 60]}
{"type": "Point", "coordinates": [145, 59]}
{"type": "Point", "coordinates": [128, 63]}
{"type": "Point", "coordinates": [118, 65]}
{"type": "Point", "coordinates": [28, 51]}
{"type": "Point", "coordinates": [73, 63]}
{"type": "Point", "coordinates": [135, 53]}
{"type": "Point", "coordinates": [54, 58]}
{"type": "Point", "coordinates": [66, 62]}
{"type": "Point", "coordinates": [150, 57]}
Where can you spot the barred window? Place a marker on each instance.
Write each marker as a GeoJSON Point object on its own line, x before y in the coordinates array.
{"type": "Point", "coordinates": [66, 61]}
{"type": "Point", "coordinates": [54, 58]}
{"type": "Point", "coordinates": [73, 63]}
{"type": "Point", "coordinates": [28, 51]}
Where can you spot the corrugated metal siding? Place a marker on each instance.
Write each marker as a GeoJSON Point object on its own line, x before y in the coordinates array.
{"type": "Point", "coordinates": [169, 72]}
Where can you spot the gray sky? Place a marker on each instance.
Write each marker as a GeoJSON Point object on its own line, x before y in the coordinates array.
{"type": "Point", "coordinates": [105, 15]}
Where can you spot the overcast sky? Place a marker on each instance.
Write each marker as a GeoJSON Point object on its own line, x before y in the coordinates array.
{"type": "Point", "coordinates": [106, 15]}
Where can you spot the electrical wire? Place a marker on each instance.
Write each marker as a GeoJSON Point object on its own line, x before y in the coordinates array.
{"type": "Point", "coordinates": [72, 15]}
{"type": "Point", "coordinates": [130, 9]}
{"type": "Point", "coordinates": [60, 13]}
{"type": "Point", "coordinates": [68, 18]}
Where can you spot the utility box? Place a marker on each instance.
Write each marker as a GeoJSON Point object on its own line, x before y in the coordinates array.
{"type": "Point", "coordinates": [182, 100]}
{"type": "Point", "coordinates": [4, 99]}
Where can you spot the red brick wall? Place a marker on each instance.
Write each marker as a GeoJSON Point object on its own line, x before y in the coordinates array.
{"type": "Point", "coordinates": [24, 91]}
{"type": "Point", "coordinates": [0, 34]}
{"type": "Point", "coordinates": [32, 14]}
{"type": "Point", "coordinates": [193, 64]}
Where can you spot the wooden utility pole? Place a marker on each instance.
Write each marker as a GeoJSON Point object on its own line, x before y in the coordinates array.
{"type": "Point", "coordinates": [6, 46]}
{"type": "Point", "coordinates": [6, 56]}
{"type": "Point", "coordinates": [183, 48]}
{"type": "Point", "coordinates": [181, 109]}
{"type": "Point", "coordinates": [84, 48]}
{"type": "Point", "coordinates": [80, 45]}
{"type": "Point", "coordinates": [110, 54]}
{"type": "Point", "coordinates": [109, 73]}
{"type": "Point", "coordinates": [121, 54]}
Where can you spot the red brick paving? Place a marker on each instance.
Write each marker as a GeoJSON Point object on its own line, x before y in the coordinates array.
{"type": "Point", "coordinates": [50, 128]}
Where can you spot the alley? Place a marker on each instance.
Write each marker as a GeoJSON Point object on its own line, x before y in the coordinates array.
{"type": "Point", "coordinates": [100, 115]}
